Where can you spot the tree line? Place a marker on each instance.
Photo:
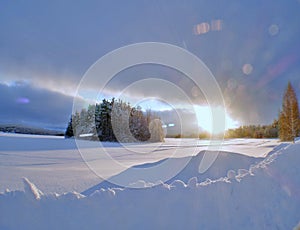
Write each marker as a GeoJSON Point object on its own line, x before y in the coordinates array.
{"type": "Point", "coordinates": [254, 131]}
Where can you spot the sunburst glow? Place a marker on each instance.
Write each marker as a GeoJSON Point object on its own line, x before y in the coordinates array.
{"type": "Point", "coordinates": [205, 119]}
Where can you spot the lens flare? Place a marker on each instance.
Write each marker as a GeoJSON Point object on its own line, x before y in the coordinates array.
{"type": "Point", "coordinates": [22, 100]}
{"type": "Point", "coordinates": [247, 69]}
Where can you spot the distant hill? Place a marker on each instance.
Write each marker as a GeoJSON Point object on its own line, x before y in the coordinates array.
{"type": "Point", "coordinates": [15, 128]}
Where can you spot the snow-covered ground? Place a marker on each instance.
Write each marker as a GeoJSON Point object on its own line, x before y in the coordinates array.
{"type": "Point", "coordinates": [55, 164]}
{"type": "Point", "coordinates": [245, 188]}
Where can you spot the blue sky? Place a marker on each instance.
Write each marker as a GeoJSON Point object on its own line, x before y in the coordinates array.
{"type": "Point", "coordinates": [46, 47]}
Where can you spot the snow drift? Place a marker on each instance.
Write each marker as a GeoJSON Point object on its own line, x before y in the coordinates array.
{"type": "Point", "coordinates": [264, 196]}
{"type": "Point", "coordinates": [226, 161]}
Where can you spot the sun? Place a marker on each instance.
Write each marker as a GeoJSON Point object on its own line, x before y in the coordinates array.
{"type": "Point", "coordinates": [205, 119]}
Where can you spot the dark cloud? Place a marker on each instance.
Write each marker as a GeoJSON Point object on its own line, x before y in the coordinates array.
{"type": "Point", "coordinates": [149, 80]}
{"type": "Point", "coordinates": [24, 104]}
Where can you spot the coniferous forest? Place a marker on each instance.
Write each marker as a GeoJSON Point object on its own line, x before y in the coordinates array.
{"type": "Point", "coordinates": [115, 120]}
{"type": "Point", "coordinates": [254, 131]}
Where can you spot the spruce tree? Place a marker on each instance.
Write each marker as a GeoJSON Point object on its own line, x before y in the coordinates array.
{"type": "Point", "coordinates": [289, 120]}
{"type": "Point", "coordinates": [69, 130]}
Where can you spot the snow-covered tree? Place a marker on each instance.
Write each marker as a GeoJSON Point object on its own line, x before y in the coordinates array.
{"type": "Point", "coordinates": [289, 120]}
{"type": "Point", "coordinates": [156, 131]}
{"type": "Point", "coordinates": [114, 121]}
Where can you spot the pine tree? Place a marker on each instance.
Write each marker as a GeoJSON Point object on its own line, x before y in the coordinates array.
{"type": "Point", "coordinates": [69, 130]}
{"type": "Point", "coordinates": [289, 120]}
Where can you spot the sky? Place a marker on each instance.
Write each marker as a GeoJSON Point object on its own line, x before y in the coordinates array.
{"type": "Point", "coordinates": [251, 48]}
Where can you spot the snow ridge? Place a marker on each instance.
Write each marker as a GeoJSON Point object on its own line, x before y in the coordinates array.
{"type": "Point", "coordinates": [31, 190]}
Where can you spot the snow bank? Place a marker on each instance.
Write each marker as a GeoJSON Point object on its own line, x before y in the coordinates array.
{"type": "Point", "coordinates": [265, 196]}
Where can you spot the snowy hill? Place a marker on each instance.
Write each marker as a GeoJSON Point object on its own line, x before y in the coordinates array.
{"type": "Point", "coordinates": [265, 195]}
